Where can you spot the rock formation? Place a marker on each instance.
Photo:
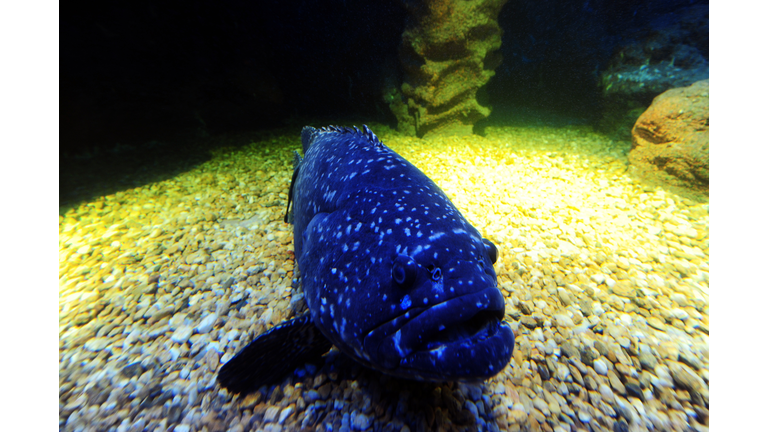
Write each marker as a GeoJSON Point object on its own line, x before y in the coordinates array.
{"type": "Point", "coordinates": [672, 137]}
{"type": "Point", "coordinates": [673, 55]}
{"type": "Point", "coordinates": [448, 53]}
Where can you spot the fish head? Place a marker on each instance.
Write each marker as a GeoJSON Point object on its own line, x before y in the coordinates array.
{"type": "Point", "coordinates": [447, 319]}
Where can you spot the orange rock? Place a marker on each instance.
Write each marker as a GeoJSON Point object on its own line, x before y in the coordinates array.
{"type": "Point", "coordinates": [670, 140]}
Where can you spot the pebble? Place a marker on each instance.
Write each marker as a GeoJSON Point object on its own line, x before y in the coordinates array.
{"type": "Point", "coordinates": [647, 360]}
{"type": "Point", "coordinates": [517, 416]}
{"type": "Point", "coordinates": [361, 421]}
{"type": "Point", "coordinates": [96, 344]}
{"type": "Point", "coordinates": [569, 350]}
{"type": "Point", "coordinates": [616, 382]}
{"type": "Point", "coordinates": [581, 277]}
{"type": "Point", "coordinates": [271, 414]}
{"type": "Point", "coordinates": [679, 314]}
{"type": "Point", "coordinates": [584, 416]}
{"type": "Point", "coordinates": [529, 322]}
{"type": "Point", "coordinates": [564, 321]}
{"type": "Point", "coordinates": [541, 405]}
{"type": "Point", "coordinates": [657, 324]}
{"type": "Point", "coordinates": [600, 366]}
{"type": "Point", "coordinates": [287, 411]}
{"type": "Point", "coordinates": [182, 334]}
{"type": "Point", "coordinates": [206, 325]}
{"type": "Point", "coordinates": [623, 289]}
{"type": "Point", "coordinates": [565, 296]}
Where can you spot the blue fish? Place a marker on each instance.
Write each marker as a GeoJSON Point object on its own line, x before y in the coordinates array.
{"type": "Point", "coordinates": [392, 273]}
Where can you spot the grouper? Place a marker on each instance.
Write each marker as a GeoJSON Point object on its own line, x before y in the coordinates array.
{"type": "Point", "coordinates": [393, 275]}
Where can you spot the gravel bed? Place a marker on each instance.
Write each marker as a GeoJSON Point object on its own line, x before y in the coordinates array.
{"type": "Point", "coordinates": [606, 282]}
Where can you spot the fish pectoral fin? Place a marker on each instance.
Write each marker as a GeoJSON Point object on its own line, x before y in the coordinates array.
{"type": "Point", "coordinates": [273, 355]}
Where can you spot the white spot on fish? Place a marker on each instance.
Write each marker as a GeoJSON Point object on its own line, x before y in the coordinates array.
{"type": "Point", "coordinates": [436, 236]}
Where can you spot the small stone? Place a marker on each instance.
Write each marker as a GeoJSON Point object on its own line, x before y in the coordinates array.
{"type": "Point", "coordinates": [475, 392]}
{"type": "Point", "coordinates": [96, 344]}
{"type": "Point", "coordinates": [565, 296]}
{"type": "Point", "coordinates": [287, 411]}
{"type": "Point", "coordinates": [600, 366]}
{"type": "Point", "coordinates": [517, 416]}
{"type": "Point", "coordinates": [361, 421]}
{"type": "Point", "coordinates": [562, 372]}
{"type": "Point", "coordinates": [585, 305]}
{"type": "Point", "coordinates": [584, 416]}
{"type": "Point", "coordinates": [679, 314]}
{"type": "Point", "coordinates": [620, 426]}
{"type": "Point", "coordinates": [686, 378]}
{"type": "Point", "coordinates": [324, 390]}
{"type": "Point", "coordinates": [589, 383]}
{"type": "Point", "coordinates": [647, 360]}
{"type": "Point", "coordinates": [624, 289]}
{"type": "Point", "coordinates": [598, 278]}
{"type": "Point", "coordinates": [529, 322]}
{"type": "Point", "coordinates": [616, 382]}
{"type": "Point", "coordinates": [606, 393]}
{"type": "Point", "coordinates": [525, 308]}
{"type": "Point", "coordinates": [212, 360]}
{"type": "Point", "coordinates": [541, 405]}
{"type": "Point", "coordinates": [657, 324]}
{"type": "Point", "coordinates": [182, 334]}
{"type": "Point", "coordinates": [679, 298]}
{"type": "Point", "coordinates": [690, 359]}
{"type": "Point", "coordinates": [133, 369]}
{"type": "Point", "coordinates": [182, 428]}
{"type": "Point", "coordinates": [271, 414]}
{"type": "Point", "coordinates": [563, 321]}
{"type": "Point", "coordinates": [569, 350]}
{"type": "Point", "coordinates": [311, 396]}
{"type": "Point", "coordinates": [206, 324]}
{"type": "Point", "coordinates": [634, 390]}
{"type": "Point", "coordinates": [589, 354]}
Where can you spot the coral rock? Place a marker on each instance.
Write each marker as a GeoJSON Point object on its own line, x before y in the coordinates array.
{"type": "Point", "coordinates": [448, 53]}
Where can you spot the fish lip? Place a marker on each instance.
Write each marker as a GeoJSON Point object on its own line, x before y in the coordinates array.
{"type": "Point", "coordinates": [404, 339]}
{"type": "Point", "coordinates": [489, 314]}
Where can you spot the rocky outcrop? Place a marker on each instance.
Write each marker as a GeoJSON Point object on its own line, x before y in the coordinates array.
{"type": "Point", "coordinates": [675, 54]}
{"type": "Point", "coordinates": [671, 138]}
{"type": "Point", "coordinates": [448, 53]}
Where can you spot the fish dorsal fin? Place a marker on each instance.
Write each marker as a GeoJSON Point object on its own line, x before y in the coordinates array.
{"type": "Point", "coordinates": [296, 164]}
{"type": "Point", "coordinates": [273, 355]}
{"type": "Point", "coordinates": [308, 134]}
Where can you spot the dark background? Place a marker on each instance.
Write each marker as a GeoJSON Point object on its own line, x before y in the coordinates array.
{"type": "Point", "coordinates": [138, 71]}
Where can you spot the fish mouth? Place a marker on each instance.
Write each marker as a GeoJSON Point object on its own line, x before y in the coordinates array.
{"type": "Point", "coordinates": [481, 326]}
{"type": "Point", "coordinates": [459, 323]}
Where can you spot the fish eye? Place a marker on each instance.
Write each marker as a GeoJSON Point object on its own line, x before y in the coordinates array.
{"type": "Point", "coordinates": [435, 272]}
{"type": "Point", "coordinates": [491, 250]}
{"type": "Point", "coordinates": [404, 270]}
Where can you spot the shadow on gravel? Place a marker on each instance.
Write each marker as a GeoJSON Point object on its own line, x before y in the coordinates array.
{"type": "Point", "coordinates": [85, 177]}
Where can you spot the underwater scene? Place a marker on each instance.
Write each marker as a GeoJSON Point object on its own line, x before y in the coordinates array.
{"type": "Point", "coordinates": [476, 215]}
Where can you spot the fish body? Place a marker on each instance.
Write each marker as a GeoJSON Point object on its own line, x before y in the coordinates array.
{"type": "Point", "coordinates": [392, 273]}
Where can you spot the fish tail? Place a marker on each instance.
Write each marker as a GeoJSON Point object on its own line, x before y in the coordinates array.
{"type": "Point", "coordinates": [273, 355]}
